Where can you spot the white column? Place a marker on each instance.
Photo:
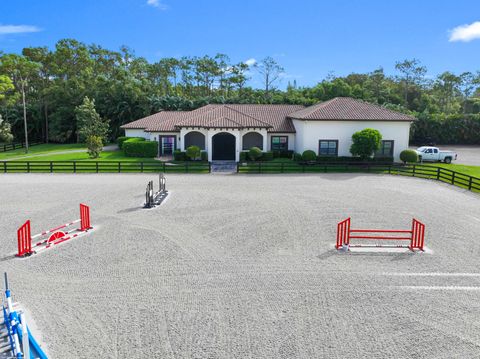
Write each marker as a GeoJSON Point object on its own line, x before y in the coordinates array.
{"type": "Point", "coordinates": [209, 144]}
{"type": "Point", "coordinates": [236, 133]}
{"type": "Point", "coordinates": [265, 140]}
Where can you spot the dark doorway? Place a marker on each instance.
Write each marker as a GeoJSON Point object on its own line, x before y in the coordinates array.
{"type": "Point", "coordinates": [223, 147]}
{"type": "Point", "coordinates": [166, 145]}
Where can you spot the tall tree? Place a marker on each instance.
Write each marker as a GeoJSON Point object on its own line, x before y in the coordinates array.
{"type": "Point", "coordinates": [270, 71]}
{"type": "Point", "coordinates": [412, 73]}
{"type": "Point", "coordinates": [20, 70]}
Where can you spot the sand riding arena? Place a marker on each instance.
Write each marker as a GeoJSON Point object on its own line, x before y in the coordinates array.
{"type": "Point", "coordinates": [246, 266]}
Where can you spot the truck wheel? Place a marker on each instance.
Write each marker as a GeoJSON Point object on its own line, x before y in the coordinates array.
{"type": "Point", "coordinates": [448, 159]}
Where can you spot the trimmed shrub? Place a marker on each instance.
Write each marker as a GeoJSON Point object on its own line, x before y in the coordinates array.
{"type": "Point", "coordinates": [409, 156]}
{"type": "Point", "coordinates": [204, 155]}
{"type": "Point", "coordinates": [297, 157]}
{"type": "Point", "coordinates": [267, 156]}
{"type": "Point", "coordinates": [243, 156]}
{"type": "Point", "coordinates": [179, 155]}
{"type": "Point", "coordinates": [254, 153]}
{"type": "Point", "coordinates": [122, 139]}
{"type": "Point", "coordinates": [309, 155]}
{"type": "Point", "coordinates": [193, 153]}
{"type": "Point", "coordinates": [146, 149]}
{"type": "Point", "coordinates": [365, 143]}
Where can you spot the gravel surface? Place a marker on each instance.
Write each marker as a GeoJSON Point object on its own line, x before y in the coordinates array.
{"type": "Point", "coordinates": [244, 267]}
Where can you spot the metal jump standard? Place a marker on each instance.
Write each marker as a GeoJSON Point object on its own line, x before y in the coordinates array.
{"type": "Point", "coordinates": [152, 198]}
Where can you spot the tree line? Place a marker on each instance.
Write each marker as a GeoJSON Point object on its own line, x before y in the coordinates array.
{"type": "Point", "coordinates": [41, 88]}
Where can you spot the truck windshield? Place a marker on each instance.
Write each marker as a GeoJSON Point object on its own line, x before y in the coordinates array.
{"type": "Point", "coordinates": [422, 149]}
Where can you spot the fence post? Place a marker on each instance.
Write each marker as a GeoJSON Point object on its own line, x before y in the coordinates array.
{"type": "Point", "coordinates": [453, 177]}
{"type": "Point", "coordinates": [119, 166]}
{"type": "Point", "coordinates": [28, 167]}
{"type": "Point", "coordinates": [5, 167]}
{"type": "Point", "coordinates": [389, 169]}
{"type": "Point", "coordinates": [163, 167]}
{"type": "Point", "coordinates": [141, 167]}
{"type": "Point", "coordinates": [51, 167]}
{"type": "Point", "coordinates": [96, 166]}
{"type": "Point", "coordinates": [186, 167]}
{"type": "Point", "coordinates": [238, 166]}
{"type": "Point", "coordinates": [438, 173]}
{"type": "Point", "coordinates": [413, 172]}
{"type": "Point", "coordinates": [281, 170]}
{"type": "Point", "coordinates": [74, 167]}
{"type": "Point", "coordinates": [259, 167]}
{"type": "Point", "coordinates": [470, 183]}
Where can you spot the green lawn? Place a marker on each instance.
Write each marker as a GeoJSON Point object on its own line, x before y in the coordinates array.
{"type": "Point", "coordinates": [83, 156]}
{"type": "Point", "coordinates": [41, 149]}
{"type": "Point", "coordinates": [473, 171]}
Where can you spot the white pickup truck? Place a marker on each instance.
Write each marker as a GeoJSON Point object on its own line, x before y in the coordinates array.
{"type": "Point", "coordinates": [428, 153]}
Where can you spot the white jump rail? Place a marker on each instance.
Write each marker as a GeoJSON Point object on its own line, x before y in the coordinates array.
{"type": "Point", "coordinates": [54, 236]}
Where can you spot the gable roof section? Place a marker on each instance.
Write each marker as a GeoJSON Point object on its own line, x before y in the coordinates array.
{"type": "Point", "coordinates": [272, 117]}
{"type": "Point", "coordinates": [348, 109]}
{"type": "Point", "coordinates": [163, 121]}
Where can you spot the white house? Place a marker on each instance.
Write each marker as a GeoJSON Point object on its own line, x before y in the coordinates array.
{"type": "Point", "coordinates": [226, 130]}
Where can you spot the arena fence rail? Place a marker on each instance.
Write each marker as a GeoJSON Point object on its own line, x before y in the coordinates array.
{"type": "Point", "coordinates": [422, 171]}
{"type": "Point", "coordinates": [415, 235]}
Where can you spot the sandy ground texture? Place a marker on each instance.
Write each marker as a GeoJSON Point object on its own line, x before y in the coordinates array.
{"type": "Point", "coordinates": [234, 266]}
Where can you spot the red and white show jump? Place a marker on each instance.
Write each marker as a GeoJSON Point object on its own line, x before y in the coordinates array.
{"type": "Point", "coordinates": [415, 235]}
{"type": "Point", "coordinates": [53, 236]}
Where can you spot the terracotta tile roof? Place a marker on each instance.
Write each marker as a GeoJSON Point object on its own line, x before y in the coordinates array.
{"type": "Point", "coordinates": [272, 117]}
{"type": "Point", "coordinates": [345, 108]}
{"type": "Point", "coordinates": [162, 121]}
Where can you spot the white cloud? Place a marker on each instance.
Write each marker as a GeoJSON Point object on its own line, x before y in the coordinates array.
{"type": "Point", "coordinates": [158, 4]}
{"type": "Point", "coordinates": [250, 62]}
{"type": "Point", "coordinates": [466, 32]}
{"type": "Point", "coordinates": [17, 29]}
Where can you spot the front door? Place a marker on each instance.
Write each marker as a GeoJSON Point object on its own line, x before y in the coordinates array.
{"type": "Point", "coordinates": [223, 147]}
{"type": "Point", "coordinates": [166, 145]}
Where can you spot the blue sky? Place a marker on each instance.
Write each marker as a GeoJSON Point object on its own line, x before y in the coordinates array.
{"type": "Point", "coordinates": [308, 38]}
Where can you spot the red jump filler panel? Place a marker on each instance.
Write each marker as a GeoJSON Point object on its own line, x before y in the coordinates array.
{"type": "Point", "coordinates": [415, 235]}
{"type": "Point", "coordinates": [52, 236]}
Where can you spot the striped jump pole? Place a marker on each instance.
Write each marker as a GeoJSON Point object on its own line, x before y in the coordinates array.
{"type": "Point", "coordinates": [52, 236]}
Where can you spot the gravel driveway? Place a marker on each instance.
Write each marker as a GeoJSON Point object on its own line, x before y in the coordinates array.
{"type": "Point", "coordinates": [467, 155]}
{"type": "Point", "coordinates": [244, 267]}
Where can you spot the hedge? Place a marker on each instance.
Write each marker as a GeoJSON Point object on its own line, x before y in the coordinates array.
{"type": "Point", "coordinates": [122, 139]}
{"type": "Point", "coordinates": [179, 155]}
{"type": "Point", "coordinates": [283, 154]}
{"type": "Point", "coordinates": [146, 149]}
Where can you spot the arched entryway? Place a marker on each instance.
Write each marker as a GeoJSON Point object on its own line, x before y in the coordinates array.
{"type": "Point", "coordinates": [252, 139]}
{"type": "Point", "coordinates": [195, 138]}
{"type": "Point", "coordinates": [223, 147]}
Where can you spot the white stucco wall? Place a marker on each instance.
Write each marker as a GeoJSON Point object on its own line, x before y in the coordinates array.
{"type": "Point", "coordinates": [291, 140]}
{"type": "Point", "coordinates": [310, 132]}
{"type": "Point", "coordinates": [137, 133]}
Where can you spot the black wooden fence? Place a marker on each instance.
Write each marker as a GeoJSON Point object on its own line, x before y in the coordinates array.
{"type": "Point", "coordinates": [101, 167]}
{"type": "Point", "coordinates": [15, 146]}
{"type": "Point", "coordinates": [423, 171]}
